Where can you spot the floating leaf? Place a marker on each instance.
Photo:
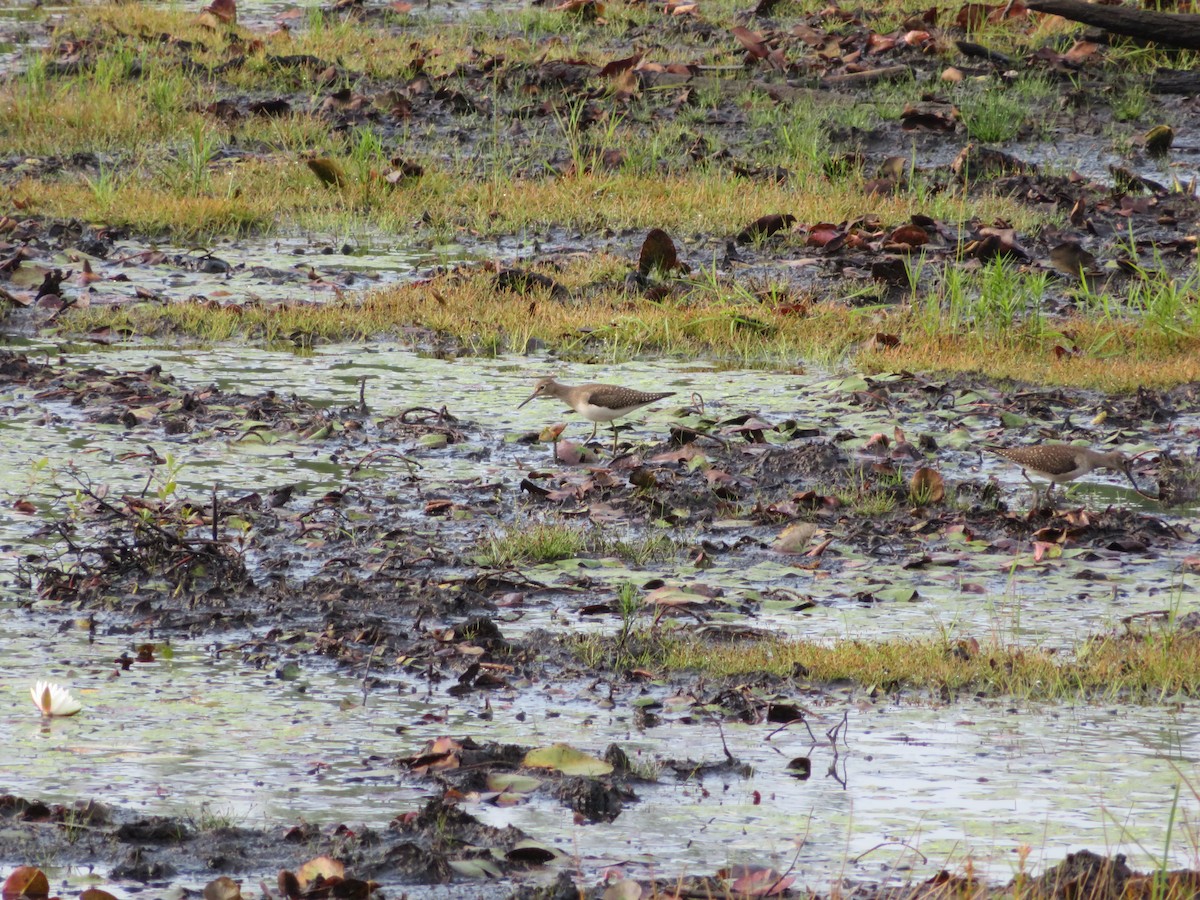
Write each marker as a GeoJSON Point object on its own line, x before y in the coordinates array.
{"type": "Point", "coordinates": [508, 781]}
{"type": "Point", "coordinates": [566, 759]}
{"type": "Point", "coordinates": [322, 867]}
{"type": "Point", "coordinates": [223, 888]}
{"type": "Point", "coordinates": [901, 594]}
{"type": "Point", "coordinates": [674, 597]}
{"type": "Point", "coordinates": [476, 868]}
{"type": "Point", "coordinates": [26, 881]}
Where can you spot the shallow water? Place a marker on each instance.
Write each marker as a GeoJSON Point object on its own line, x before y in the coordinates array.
{"type": "Point", "coordinates": [977, 592]}
{"type": "Point", "coordinates": [940, 783]}
{"type": "Point", "coordinates": [974, 780]}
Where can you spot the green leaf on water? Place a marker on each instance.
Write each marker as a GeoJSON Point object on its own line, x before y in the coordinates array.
{"type": "Point", "coordinates": [476, 868]}
{"type": "Point", "coordinates": [566, 759]}
{"type": "Point", "coordinates": [508, 781]}
{"type": "Point", "coordinates": [900, 594]}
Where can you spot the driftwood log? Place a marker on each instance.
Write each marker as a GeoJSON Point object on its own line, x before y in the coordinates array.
{"type": "Point", "coordinates": [1169, 29]}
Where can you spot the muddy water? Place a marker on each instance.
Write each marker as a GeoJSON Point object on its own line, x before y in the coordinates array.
{"type": "Point", "coordinates": [25, 27]}
{"type": "Point", "coordinates": [982, 593]}
{"type": "Point", "coordinates": [941, 783]}
{"type": "Point", "coordinates": [296, 268]}
{"type": "Point", "coordinates": [976, 780]}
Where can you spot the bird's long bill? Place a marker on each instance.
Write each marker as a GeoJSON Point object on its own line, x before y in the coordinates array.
{"type": "Point", "coordinates": [527, 399]}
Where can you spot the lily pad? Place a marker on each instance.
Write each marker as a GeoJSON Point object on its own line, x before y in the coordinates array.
{"type": "Point", "coordinates": [566, 759]}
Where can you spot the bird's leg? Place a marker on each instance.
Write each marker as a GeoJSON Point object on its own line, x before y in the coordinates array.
{"type": "Point", "coordinates": [595, 425]}
{"type": "Point", "coordinates": [1032, 487]}
{"type": "Point", "coordinates": [614, 427]}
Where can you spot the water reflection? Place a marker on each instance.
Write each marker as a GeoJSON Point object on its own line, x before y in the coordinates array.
{"type": "Point", "coordinates": [976, 779]}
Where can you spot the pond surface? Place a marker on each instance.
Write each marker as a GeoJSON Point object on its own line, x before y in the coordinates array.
{"type": "Point", "coordinates": [941, 783]}
{"type": "Point", "coordinates": [970, 589]}
{"type": "Point", "coordinates": [936, 784]}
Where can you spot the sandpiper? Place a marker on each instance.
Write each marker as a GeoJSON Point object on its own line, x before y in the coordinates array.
{"type": "Point", "coordinates": [597, 402]}
{"type": "Point", "coordinates": [1060, 463]}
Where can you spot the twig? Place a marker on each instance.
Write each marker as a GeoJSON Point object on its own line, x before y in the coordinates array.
{"type": "Point", "coordinates": [724, 746]}
{"type": "Point", "coordinates": [836, 731]}
{"type": "Point", "coordinates": [367, 671]}
{"type": "Point", "coordinates": [924, 858]}
{"type": "Point", "coordinates": [787, 725]}
{"type": "Point", "coordinates": [380, 454]}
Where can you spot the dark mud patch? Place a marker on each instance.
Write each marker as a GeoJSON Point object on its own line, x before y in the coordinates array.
{"type": "Point", "coordinates": [383, 578]}
{"type": "Point", "coordinates": [419, 848]}
{"type": "Point", "coordinates": [397, 543]}
{"type": "Point", "coordinates": [899, 129]}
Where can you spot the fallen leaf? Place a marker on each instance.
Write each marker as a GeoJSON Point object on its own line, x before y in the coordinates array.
{"type": "Point", "coordinates": [566, 759]}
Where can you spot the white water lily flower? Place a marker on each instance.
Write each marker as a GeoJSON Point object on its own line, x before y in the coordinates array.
{"type": "Point", "coordinates": [54, 699]}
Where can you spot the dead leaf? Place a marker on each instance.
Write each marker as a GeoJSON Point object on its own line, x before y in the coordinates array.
{"type": "Point", "coordinates": [222, 888]}
{"type": "Point", "coordinates": [224, 11]}
{"type": "Point", "coordinates": [765, 226]}
{"type": "Point", "coordinates": [926, 487]}
{"type": "Point", "coordinates": [752, 42]}
{"type": "Point", "coordinates": [796, 538]}
{"type": "Point", "coordinates": [658, 252]}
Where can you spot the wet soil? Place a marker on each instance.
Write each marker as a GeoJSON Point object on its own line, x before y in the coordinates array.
{"type": "Point", "coordinates": [387, 578]}
{"type": "Point", "coordinates": [1121, 212]}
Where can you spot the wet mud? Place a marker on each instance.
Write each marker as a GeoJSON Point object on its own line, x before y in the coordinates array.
{"type": "Point", "coordinates": [388, 579]}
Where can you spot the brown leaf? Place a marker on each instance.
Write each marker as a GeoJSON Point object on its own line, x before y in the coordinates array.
{"type": "Point", "coordinates": [972, 16]}
{"type": "Point", "coordinates": [824, 235]}
{"type": "Point", "coordinates": [765, 226]}
{"type": "Point", "coordinates": [682, 8]}
{"type": "Point", "coordinates": [26, 881]}
{"type": "Point", "coordinates": [587, 10]}
{"type": "Point", "coordinates": [929, 116]}
{"type": "Point", "coordinates": [617, 66]}
{"type": "Point", "coordinates": [1081, 51]}
{"type": "Point", "coordinates": [927, 487]}
{"type": "Point", "coordinates": [222, 888]}
{"type": "Point", "coordinates": [289, 885]}
{"type": "Point", "coordinates": [223, 10]}
{"type": "Point", "coordinates": [909, 235]}
{"type": "Point", "coordinates": [755, 882]}
{"type": "Point", "coordinates": [658, 252]}
{"type": "Point", "coordinates": [752, 42]}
